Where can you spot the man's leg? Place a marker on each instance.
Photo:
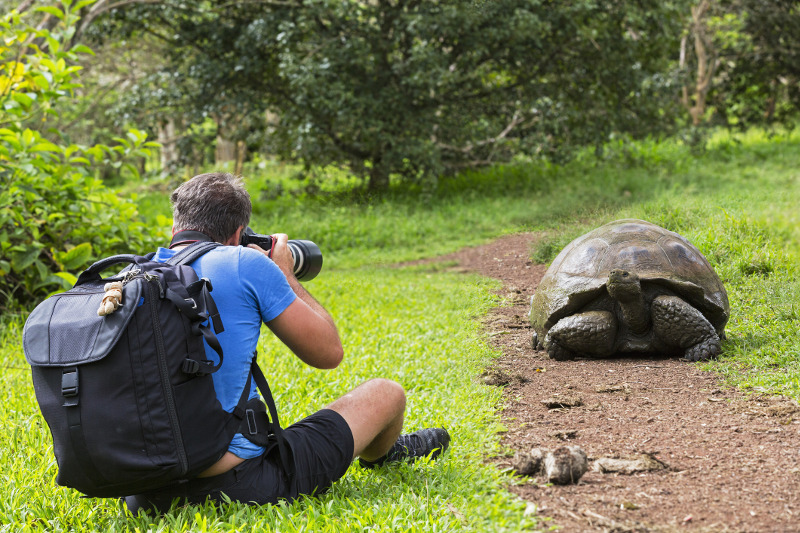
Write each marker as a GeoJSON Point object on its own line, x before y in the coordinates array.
{"type": "Point", "coordinates": [374, 411]}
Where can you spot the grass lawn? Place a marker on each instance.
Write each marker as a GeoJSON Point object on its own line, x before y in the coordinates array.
{"type": "Point", "coordinates": [736, 201]}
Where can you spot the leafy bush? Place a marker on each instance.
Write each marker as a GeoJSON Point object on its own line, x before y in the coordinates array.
{"type": "Point", "coordinates": [55, 213]}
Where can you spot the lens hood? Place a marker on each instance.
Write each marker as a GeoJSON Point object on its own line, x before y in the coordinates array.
{"type": "Point", "coordinates": [307, 259]}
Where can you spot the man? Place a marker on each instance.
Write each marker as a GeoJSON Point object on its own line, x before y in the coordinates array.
{"type": "Point", "coordinates": [252, 286]}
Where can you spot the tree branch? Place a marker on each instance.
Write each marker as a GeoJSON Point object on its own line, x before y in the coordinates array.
{"type": "Point", "coordinates": [24, 6]}
{"type": "Point", "coordinates": [103, 6]}
{"type": "Point", "coordinates": [272, 3]}
{"type": "Point", "coordinates": [516, 120]}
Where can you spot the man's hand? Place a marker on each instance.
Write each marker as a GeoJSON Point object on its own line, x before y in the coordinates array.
{"type": "Point", "coordinates": [305, 326]}
{"type": "Point", "coordinates": [281, 254]}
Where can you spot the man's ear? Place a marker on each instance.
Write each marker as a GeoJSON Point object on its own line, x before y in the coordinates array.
{"type": "Point", "coordinates": [236, 238]}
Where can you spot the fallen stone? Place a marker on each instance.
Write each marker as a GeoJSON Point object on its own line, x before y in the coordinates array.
{"type": "Point", "coordinates": [562, 466]}
{"type": "Point", "coordinates": [557, 401]}
{"type": "Point", "coordinates": [565, 465]}
{"type": "Point", "coordinates": [495, 378]}
{"type": "Point", "coordinates": [565, 434]}
{"type": "Point", "coordinates": [641, 463]}
{"type": "Point", "coordinates": [613, 388]}
{"type": "Point", "coordinates": [529, 463]}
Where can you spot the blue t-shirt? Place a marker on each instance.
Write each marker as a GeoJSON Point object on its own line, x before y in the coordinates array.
{"type": "Point", "coordinates": [248, 289]}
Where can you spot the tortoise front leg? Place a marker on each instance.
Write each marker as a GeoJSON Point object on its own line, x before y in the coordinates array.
{"type": "Point", "coordinates": [590, 334]}
{"type": "Point", "coordinates": [678, 324]}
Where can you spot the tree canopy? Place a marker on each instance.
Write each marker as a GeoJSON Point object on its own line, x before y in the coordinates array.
{"type": "Point", "coordinates": [424, 89]}
{"type": "Point", "coordinates": [416, 88]}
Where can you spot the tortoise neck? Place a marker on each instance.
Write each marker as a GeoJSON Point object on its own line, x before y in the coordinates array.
{"type": "Point", "coordinates": [634, 313]}
{"type": "Point", "coordinates": [625, 287]}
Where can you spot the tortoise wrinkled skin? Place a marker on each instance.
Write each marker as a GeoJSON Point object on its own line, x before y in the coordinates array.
{"type": "Point", "coordinates": [664, 297]}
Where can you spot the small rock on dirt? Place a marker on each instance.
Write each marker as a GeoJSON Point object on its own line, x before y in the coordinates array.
{"type": "Point", "coordinates": [529, 463]}
{"type": "Point", "coordinates": [565, 465]}
{"type": "Point", "coordinates": [558, 401]}
{"type": "Point", "coordinates": [613, 388]}
{"type": "Point", "coordinates": [562, 466]}
{"type": "Point", "coordinates": [495, 378]}
{"type": "Point", "coordinates": [565, 434]}
{"type": "Point", "coordinates": [642, 463]}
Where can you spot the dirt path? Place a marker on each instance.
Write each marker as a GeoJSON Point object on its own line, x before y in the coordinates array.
{"type": "Point", "coordinates": [732, 461]}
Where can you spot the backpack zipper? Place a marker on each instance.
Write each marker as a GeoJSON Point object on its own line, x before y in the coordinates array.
{"type": "Point", "coordinates": [164, 373]}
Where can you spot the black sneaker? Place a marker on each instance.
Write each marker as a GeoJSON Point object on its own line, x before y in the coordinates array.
{"type": "Point", "coordinates": [422, 443]}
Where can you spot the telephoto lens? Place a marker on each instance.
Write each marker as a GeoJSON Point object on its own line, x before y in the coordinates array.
{"type": "Point", "coordinates": [307, 259]}
{"type": "Point", "coordinates": [306, 254]}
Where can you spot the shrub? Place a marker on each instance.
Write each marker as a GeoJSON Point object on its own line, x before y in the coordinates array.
{"type": "Point", "coordinates": [55, 213]}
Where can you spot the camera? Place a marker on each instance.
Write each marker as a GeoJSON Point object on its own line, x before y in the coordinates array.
{"type": "Point", "coordinates": [307, 255]}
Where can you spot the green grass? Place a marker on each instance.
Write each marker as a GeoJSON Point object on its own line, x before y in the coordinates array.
{"type": "Point", "coordinates": [736, 202]}
{"type": "Point", "coordinates": [740, 209]}
{"type": "Point", "coordinates": [424, 336]}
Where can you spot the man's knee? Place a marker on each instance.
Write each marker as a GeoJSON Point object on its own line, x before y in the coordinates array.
{"type": "Point", "coordinates": [392, 391]}
{"type": "Point", "coordinates": [381, 395]}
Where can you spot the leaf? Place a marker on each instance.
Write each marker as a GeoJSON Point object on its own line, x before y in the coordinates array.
{"type": "Point", "coordinates": [74, 258]}
{"type": "Point", "coordinates": [23, 99]}
{"type": "Point", "coordinates": [45, 146]}
{"type": "Point", "coordinates": [71, 279]}
{"type": "Point", "coordinates": [52, 10]}
{"type": "Point", "coordinates": [28, 137]}
{"type": "Point", "coordinates": [42, 269]}
{"type": "Point", "coordinates": [54, 45]}
{"type": "Point", "coordinates": [22, 260]}
{"type": "Point", "coordinates": [41, 81]}
{"type": "Point", "coordinates": [83, 49]}
{"type": "Point", "coordinates": [82, 3]}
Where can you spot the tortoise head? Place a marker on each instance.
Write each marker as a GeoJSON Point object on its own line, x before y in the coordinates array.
{"type": "Point", "coordinates": [624, 285]}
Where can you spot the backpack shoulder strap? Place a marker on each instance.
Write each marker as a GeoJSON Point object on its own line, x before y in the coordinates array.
{"type": "Point", "coordinates": [192, 252]}
{"type": "Point", "coordinates": [275, 426]}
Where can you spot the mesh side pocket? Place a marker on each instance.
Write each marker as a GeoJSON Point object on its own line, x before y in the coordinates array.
{"type": "Point", "coordinates": [74, 327]}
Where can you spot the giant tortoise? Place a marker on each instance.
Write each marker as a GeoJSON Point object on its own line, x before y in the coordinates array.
{"type": "Point", "coordinates": [629, 287]}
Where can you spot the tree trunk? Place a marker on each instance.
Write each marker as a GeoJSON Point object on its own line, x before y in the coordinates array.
{"type": "Point", "coordinates": [378, 177]}
{"type": "Point", "coordinates": [241, 155]}
{"type": "Point", "coordinates": [706, 64]}
{"type": "Point", "coordinates": [169, 149]}
{"type": "Point", "coordinates": [225, 151]}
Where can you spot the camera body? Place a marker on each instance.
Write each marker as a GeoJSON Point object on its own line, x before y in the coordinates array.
{"type": "Point", "coordinates": [306, 254]}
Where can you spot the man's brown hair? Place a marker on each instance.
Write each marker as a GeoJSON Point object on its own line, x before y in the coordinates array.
{"type": "Point", "coordinates": [215, 203]}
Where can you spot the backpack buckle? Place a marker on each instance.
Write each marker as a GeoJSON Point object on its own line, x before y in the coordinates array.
{"type": "Point", "coordinates": [252, 426]}
{"type": "Point", "coordinates": [197, 368]}
{"type": "Point", "coordinates": [190, 366]}
{"type": "Point", "coordinates": [69, 382]}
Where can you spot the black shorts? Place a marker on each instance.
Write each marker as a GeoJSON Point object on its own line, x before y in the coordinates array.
{"type": "Point", "coordinates": [321, 447]}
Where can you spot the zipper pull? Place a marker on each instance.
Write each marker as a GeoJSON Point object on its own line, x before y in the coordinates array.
{"type": "Point", "coordinates": [152, 277]}
{"type": "Point", "coordinates": [130, 275]}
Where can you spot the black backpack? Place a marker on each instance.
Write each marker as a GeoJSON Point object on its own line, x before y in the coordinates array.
{"type": "Point", "coordinates": [129, 396]}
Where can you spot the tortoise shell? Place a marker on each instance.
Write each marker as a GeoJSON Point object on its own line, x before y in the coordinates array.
{"type": "Point", "coordinates": [578, 275]}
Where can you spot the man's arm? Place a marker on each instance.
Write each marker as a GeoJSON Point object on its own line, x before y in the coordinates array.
{"type": "Point", "coordinates": [305, 326]}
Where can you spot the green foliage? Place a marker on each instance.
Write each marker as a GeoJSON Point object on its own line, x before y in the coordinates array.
{"type": "Point", "coordinates": [765, 80]}
{"type": "Point", "coordinates": [414, 89]}
{"type": "Point", "coordinates": [753, 52]}
{"type": "Point", "coordinates": [55, 215]}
